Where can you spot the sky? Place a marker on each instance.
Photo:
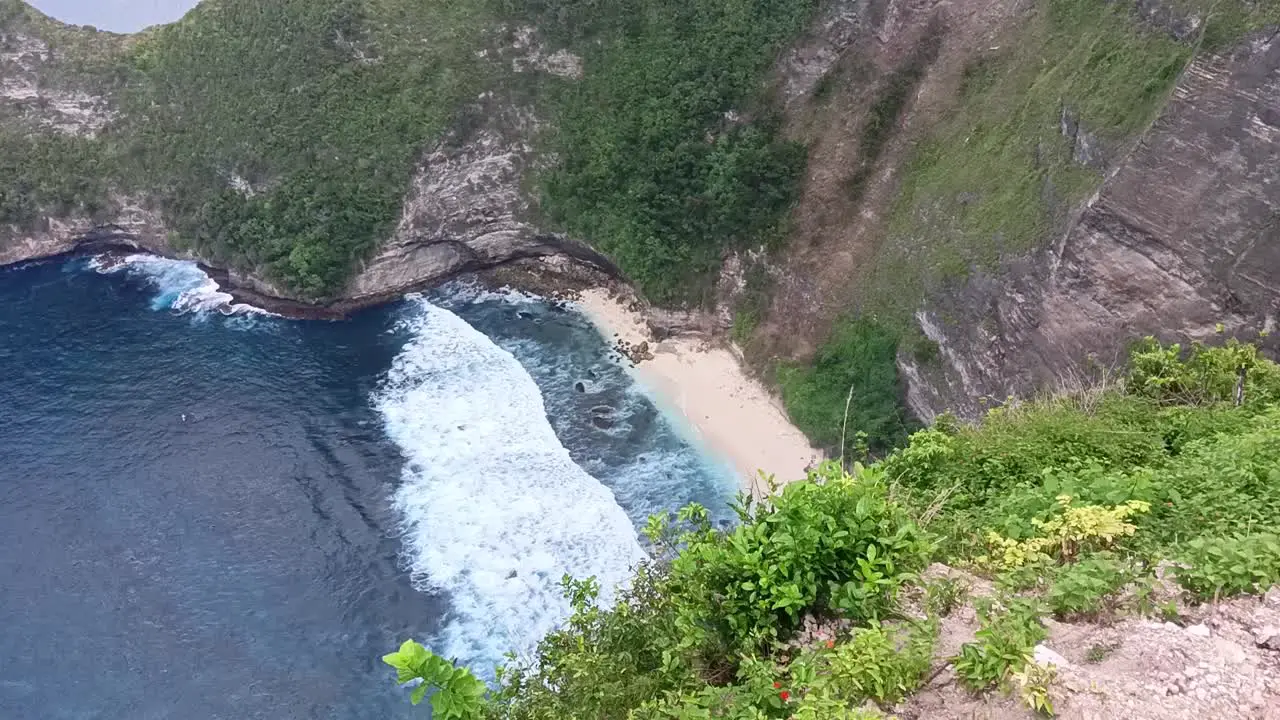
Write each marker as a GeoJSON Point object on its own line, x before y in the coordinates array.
{"type": "Point", "coordinates": [115, 15]}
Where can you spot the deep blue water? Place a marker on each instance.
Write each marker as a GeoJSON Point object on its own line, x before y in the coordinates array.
{"type": "Point", "coordinates": [211, 516]}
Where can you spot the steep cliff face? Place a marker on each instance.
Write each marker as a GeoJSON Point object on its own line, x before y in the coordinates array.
{"type": "Point", "coordinates": [1015, 187]}
{"type": "Point", "coordinates": [1020, 188]}
{"type": "Point", "coordinates": [465, 208]}
{"type": "Point", "coordinates": [1183, 237]}
{"type": "Point", "coordinates": [466, 211]}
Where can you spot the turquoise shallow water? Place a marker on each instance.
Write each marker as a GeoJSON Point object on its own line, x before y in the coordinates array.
{"type": "Point", "coordinates": [233, 516]}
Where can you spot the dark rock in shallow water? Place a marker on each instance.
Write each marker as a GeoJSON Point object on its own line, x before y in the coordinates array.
{"type": "Point", "coordinates": [580, 386]}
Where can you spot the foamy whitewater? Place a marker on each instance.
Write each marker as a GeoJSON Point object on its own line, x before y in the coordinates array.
{"type": "Point", "coordinates": [495, 510]}
{"type": "Point", "coordinates": [181, 286]}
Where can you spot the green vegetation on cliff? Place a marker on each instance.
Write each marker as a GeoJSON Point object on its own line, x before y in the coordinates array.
{"type": "Point", "coordinates": [281, 137]}
{"type": "Point", "coordinates": [1037, 120]}
{"type": "Point", "coordinates": [43, 172]}
{"type": "Point", "coordinates": [1001, 174]}
{"type": "Point", "coordinates": [318, 109]}
{"type": "Point", "coordinates": [848, 399]}
{"type": "Point", "coordinates": [62, 174]}
{"type": "Point", "coordinates": [815, 607]}
{"type": "Point", "coordinates": [668, 154]}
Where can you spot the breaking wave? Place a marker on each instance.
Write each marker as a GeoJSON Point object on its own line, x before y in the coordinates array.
{"type": "Point", "coordinates": [494, 511]}
{"type": "Point", "coordinates": [180, 285]}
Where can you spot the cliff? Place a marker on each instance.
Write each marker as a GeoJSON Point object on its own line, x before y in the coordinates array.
{"type": "Point", "coordinates": [1010, 190]}
{"type": "Point", "coordinates": [1019, 190]}
{"type": "Point", "coordinates": [1181, 242]}
{"type": "Point", "coordinates": [464, 209]}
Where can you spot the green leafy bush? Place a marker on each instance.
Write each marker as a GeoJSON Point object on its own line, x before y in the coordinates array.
{"type": "Point", "coordinates": [1210, 568]}
{"type": "Point", "coordinates": [1203, 374]}
{"type": "Point", "coordinates": [1219, 485]}
{"type": "Point", "coordinates": [456, 693]}
{"type": "Point", "coordinates": [944, 595]}
{"type": "Point", "coordinates": [1004, 643]}
{"type": "Point", "coordinates": [834, 545]}
{"type": "Point", "coordinates": [880, 663]}
{"type": "Point", "coordinates": [1083, 588]}
{"type": "Point", "coordinates": [604, 661]}
{"type": "Point", "coordinates": [850, 387]}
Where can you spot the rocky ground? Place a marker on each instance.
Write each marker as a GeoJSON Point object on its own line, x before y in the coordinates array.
{"type": "Point", "coordinates": [1219, 661]}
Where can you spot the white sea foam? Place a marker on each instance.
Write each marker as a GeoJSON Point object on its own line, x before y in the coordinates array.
{"type": "Point", "coordinates": [181, 286]}
{"type": "Point", "coordinates": [460, 292]}
{"type": "Point", "coordinates": [494, 510]}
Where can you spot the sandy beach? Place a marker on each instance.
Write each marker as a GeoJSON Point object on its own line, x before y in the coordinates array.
{"type": "Point", "coordinates": [731, 413]}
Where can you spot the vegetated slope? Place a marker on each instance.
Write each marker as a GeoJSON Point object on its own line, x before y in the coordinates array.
{"type": "Point", "coordinates": [1126, 505]}
{"type": "Point", "coordinates": [955, 154]}
{"type": "Point", "coordinates": [282, 136]}
{"type": "Point", "coordinates": [55, 87]}
{"type": "Point", "coordinates": [276, 137]}
{"type": "Point", "coordinates": [281, 139]}
{"type": "Point", "coordinates": [668, 151]}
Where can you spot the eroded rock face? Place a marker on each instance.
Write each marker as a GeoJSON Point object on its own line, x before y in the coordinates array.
{"type": "Point", "coordinates": [129, 225]}
{"type": "Point", "coordinates": [1184, 236]}
{"type": "Point", "coordinates": [466, 211]}
{"type": "Point", "coordinates": [27, 97]}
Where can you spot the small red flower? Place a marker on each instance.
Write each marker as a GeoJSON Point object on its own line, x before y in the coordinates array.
{"type": "Point", "coordinates": [831, 644]}
{"type": "Point", "coordinates": [784, 695]}
{"type": "Point", "coordinates": [777, 685]}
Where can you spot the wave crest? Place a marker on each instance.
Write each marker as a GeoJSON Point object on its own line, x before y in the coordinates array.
{"type": "Point", "coordinates": [181, 286]}
{"type": "Point", "coordinates": [494, 510]}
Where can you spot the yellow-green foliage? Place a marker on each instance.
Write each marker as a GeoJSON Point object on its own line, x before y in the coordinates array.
{"type": "Point", "coordinates": [1033, 682]}
{"type": "Point", "coordinates": [1064, 537]}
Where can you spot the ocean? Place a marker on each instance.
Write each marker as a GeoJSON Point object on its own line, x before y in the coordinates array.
{"type": "Point", "coordinates": [207, 511]}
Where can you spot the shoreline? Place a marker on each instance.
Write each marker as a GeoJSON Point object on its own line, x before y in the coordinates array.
{"type": "Point", "coordinates": [548, 275]}
{"type": "Point", "coordinates": [731, 413]}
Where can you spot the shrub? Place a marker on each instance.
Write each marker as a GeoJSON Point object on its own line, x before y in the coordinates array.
{"type": "Point", "coordinates": [1082, 587]}
{"type": "Point", "coordinates": [1220, 485]}
{"type": "Point", "coordinates": [1064, 537]}
{"type": "Point", "coordinates": [944, 595]}
{"type": "Point", "coordinates": [880, 663]}
{"type": "Point", "coordinates": [1202, 375]}
{"type": "Point", "coordinates": [1033, 682]}
{"type": "Point", "coordinates": [855, 374]}
{"type": "Point", "coordinates": [602, 662]}
{"type": "Point", "coordinates": [835, 544]}
{"type": "Point", "coordinates": [1210, 568]}
{"type": "Point", "coordinates": [456, 693]}
{"type": "Point", "coordinates": [1003, 644]}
